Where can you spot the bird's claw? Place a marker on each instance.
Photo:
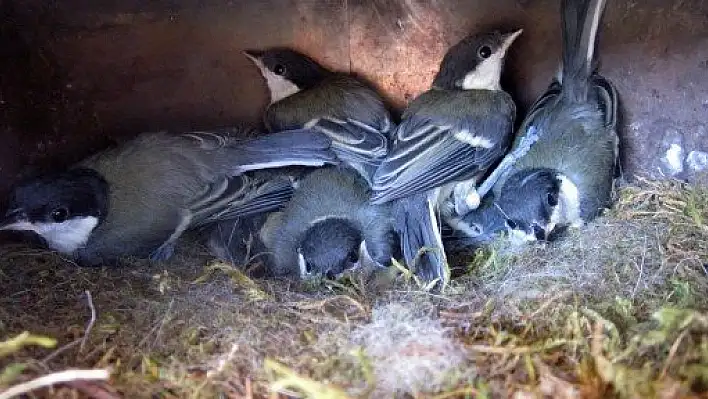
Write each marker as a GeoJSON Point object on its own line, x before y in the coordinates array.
{"type": "Point", "coordinates": [163, 252]}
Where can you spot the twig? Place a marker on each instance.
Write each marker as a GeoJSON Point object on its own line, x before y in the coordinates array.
{"type": "Point", "coordinates": [91, 322]}
{"type": "Point", "coordinates": [59, 351]}
{"type": "Point", "coordinates": [53, 379]}
{"type": "Point", "coordinates": [158, 327]}
{"type": "Point", "coordinates": [466, 392]}
{"type": "Point", "coordinates": [519, 350]}
{"type": "Point", "coordinates": [641, 270]}
{"type": "Point", "coordinates": [223, 362]}
{"type": "Point", "coordinates": [672, 353]}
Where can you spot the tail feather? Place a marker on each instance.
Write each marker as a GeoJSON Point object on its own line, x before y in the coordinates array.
{"type": "Point", "coordinates": [303, 147]}
{"type": "Point", "coordinates": [420, 237]}
{"type": "Point", "coordinates": [580, 21]}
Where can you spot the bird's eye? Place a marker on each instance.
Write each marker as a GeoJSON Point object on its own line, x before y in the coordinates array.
{"type": "Point", "coordinates": [279, 69]}
{"type": "Point", "coordinates": [511, 224]}
{"type": "Point", "coordinates": [59, 214]}
{"type": "Point", "coordinates": [484, 52]}
{"type": "Point", "coordinates": [552, 199]}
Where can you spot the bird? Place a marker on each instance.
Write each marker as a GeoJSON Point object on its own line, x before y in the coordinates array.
{"type": "Point", "coordinates": [302, 90]}
{"type": "Point", "coordinates": [139, 197]}
{"type": "Point", "coordinates": [350, 112]}
{"type": "Point", "coordinates": [482, 226]}
{"type": "Point", "coordinates": [448, 138]}
{"type": "Point", "coordinates": [567, 176]}
{"type": "Point", "coordinates": [328, 227]}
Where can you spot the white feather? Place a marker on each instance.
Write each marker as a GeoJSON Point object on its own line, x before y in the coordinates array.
{"type": "Point", "coordinates": [488, 73]}
{"type": "Point", "coordinates": [65, 237]}
{"type": "Point", "coordinates": [278, 86]}
{"type": "Point", "coordinates": [567, 212]}
{"type": "Point", "coordinates": [467, 137]}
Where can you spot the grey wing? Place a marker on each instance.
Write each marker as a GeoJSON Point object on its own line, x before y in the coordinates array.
{"type": "Point", "coordinates": [428, 154]}
{"type": "Point", "coordinates": [357, 145]}
{"type": "Point", "coordinates": [608, 100]}
{"type": "Point", "coordinates": [240, 196]}
{"type": "Point", "coordinates": [420, 237]}
{"type": "Point", "coordinates": [541, 104]}
{"type": "Point", "coordinates": [302, 147]}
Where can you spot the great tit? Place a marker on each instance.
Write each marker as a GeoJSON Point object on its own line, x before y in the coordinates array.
{"type": "Point", "coordinates": [138, 198]}
{"type": "Point", "coordinates": [327, 228]}
{"type": "Point", "coordinates": [566, 177]}
{"type": "Point", "coordinates": [305, 94]}
{"type": "Point", "coordinates": [497, 215]}
{"type": "Point", "coordinates": [449, 137]}
{"type": "Point", "coordinates": [302, 90]}
{"type": "Point", "coordinates": [349, 112]}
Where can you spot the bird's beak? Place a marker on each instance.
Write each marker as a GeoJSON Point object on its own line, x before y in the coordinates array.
{"type": "Point", "coordinates": [549, 229]}
{"type": "Point", "coordinates": [510, 37]}
{"type": "Point", "coordinates": [253, 55]}
{"type": "Point", "coordinates": [16, 220]}
{"type": "Point", "coordinates": [540, 233]}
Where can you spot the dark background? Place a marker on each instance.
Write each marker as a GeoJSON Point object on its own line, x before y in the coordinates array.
{"type": "Point", "coordinates": [78, 75]}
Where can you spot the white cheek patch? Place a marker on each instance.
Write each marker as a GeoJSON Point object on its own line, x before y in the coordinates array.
{"type": "Point", "coordinates": [487, 74]}
{"type": "Point", "coordinates": [278, 86]}
{"type": "Point", "coordinates": [567, 212]}
{"type": "Point", "coordinates": [471, 230]}
{"type": "Point", "coordinates": [366, 261]}
{"type": "Point", "coordinates": [519, 238]}
{"type": "Point", "coordinates": [65, 237]}
{"type": "Point", "coordinates": [303, 265]}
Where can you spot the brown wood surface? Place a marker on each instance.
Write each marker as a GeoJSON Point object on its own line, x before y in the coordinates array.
{"type": "Point", "coordinates": [137, 65]}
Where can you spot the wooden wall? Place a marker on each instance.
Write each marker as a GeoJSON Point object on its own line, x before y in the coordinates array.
{"type": "Point", "coordinates": [111, 69]}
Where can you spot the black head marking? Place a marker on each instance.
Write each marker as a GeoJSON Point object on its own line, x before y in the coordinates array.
{"type": "Point", "coordinates": [529, 196]}
{"type": "Point", "coordinates": [294, 66]}
{"type": "Point", "coordinates": [465, 56]}
{"type": "Point", "coordinates": [331, 246]}
{"type": "Point", "coordinates": [61, 196]}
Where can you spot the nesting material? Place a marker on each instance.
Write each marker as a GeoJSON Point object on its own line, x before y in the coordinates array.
{"type": "Point", "coordinates": [618, 308]}
{"type": "Point", "coordinates": [410, 352]}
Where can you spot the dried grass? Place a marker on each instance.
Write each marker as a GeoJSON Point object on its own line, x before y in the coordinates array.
{"type": "Point", "coordinates": [618, 309]}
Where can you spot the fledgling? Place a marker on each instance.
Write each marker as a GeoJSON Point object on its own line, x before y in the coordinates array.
{"type": "Point", "coordinates": [350, 113]}
{"type": "Point", "coordinates": [138, 198]}
{"type": "Point", "coordinates": [305, 94]}
{"type": "Point", "coordinates": [449, 137]}
{"type": "Point", "coordinates": [327, 228]}
{"type": "Point", "coordinates": [566, 178]}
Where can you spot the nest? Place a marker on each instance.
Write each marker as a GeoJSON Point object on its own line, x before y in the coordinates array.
{"type": "Point", "coordinates": [618, 308]}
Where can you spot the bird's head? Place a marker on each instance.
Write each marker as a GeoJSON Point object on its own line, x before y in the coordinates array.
{"type": "Point", "coordinates": [475, 63]}
{"type": "Point", "coordinates": [286, 71]}
{"type": "Point", "coordinates": [537, 201]}
{"type": "Point", "coordinates": [330, 247]}
{"type": "Point", "coordinates": [63, 208]}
